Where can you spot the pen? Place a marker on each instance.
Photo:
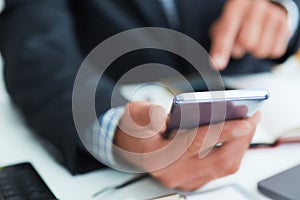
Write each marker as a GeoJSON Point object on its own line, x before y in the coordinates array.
{"type": "Point", "coordinates": [171, 197]}
{"type": "Point", "coordinates": [116, 187]}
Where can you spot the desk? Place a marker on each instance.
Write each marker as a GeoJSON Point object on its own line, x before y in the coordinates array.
{"type": "Point", "coordinates": [18, 144]}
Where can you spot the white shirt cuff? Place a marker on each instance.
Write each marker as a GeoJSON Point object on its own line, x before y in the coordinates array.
{"type": "Point", "coordinates": [1, 5]}
{"type": "Point", "coordinates": [293, 13]}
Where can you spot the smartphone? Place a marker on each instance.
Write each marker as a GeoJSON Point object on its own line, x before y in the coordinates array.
{"type": "Point", "coordinates": [190, 110]}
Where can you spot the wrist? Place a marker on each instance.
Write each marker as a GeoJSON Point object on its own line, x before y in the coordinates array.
{"type": "Point", "coordinates": [127, 142]}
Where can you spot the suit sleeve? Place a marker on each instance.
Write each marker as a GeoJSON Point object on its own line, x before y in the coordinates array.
{"type": "Point", "coordinates": [42, 57]}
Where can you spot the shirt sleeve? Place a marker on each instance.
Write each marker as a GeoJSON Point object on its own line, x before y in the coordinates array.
{"type": "Point", "coordinates": [1, 5]}
{"type": "Point", "coordinates": [39, 39]}
{"type": "Point", "coordinates": [102, 135]}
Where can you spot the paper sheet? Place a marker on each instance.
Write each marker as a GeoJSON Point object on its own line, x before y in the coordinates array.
{"type": "Point", "coordinates": [229, 192]}
{"type": "Point", "coordinates": [282, 111]}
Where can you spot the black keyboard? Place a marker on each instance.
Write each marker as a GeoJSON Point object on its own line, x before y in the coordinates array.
{"type": "Point", "coordinates": [22, 182]}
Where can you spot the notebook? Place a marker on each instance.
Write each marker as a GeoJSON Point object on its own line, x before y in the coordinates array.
{"type": "Point", "coordinates": [282, 186]}
{"type": "Point", "coordinates": [280, 122]}
{"type": "Point", "coordinates": [234, 191]}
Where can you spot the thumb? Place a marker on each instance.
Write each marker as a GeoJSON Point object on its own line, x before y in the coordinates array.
{"type": "Point", "coordinates": [158, 118]}
{"type": "Point", "coordinates": [142, 119]}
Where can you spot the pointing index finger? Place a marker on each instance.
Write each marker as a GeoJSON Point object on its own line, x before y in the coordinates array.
{"type": "Point", "coordinates": [225, 31]}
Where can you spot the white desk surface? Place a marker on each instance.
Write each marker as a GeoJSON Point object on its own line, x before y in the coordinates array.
{"type": "Point", "coordinates": [18, 144]}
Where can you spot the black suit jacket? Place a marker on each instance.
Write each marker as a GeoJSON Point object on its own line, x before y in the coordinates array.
{"type": "Point", "coordinates": [43, 43]}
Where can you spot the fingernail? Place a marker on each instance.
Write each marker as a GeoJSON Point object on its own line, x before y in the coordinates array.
{"type": "Point", "coordinates": [244, 129]}
{"type": "Point", "coordinates": [219, 62]}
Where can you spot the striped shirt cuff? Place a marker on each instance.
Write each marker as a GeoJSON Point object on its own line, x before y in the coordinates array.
{"type": "Point", "coordinates": [103, 132]}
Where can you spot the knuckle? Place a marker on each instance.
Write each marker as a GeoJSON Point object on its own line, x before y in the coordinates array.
{"type": "Point", "coordinates": [261, 6]}
{"type": "Point", "coordinates": [193, 185]}
{"type": "Point", "coordinates": [260, 53]}
{"type": "Point", "coordinates": [227, 165]}
{"type": "Point", "coordinates": [250, 46]}
{"type": "Point", "coordinates": [223, 29]}
{"type": "Point", "coordinates": [277, 16]}
{"type": "Point", "coordinates": [245, 42]}
{"type": "Point", "coordinates": [156, 174]}
{"type": "Point", "coordinates": [230, 167]}
{"type": "Point", "coordinates": [278, 53]}
{"type": "Point", "coordinates": [234, 168]}
{"type": "Point", "coordinates": [185, 188]}
{"type": "Point", "coordinates": [169, 182]}
{"type": "Point", "coordinates": [278, 13]}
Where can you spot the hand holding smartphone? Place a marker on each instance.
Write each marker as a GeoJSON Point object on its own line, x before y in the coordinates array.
{"type": "Point", "coordinates": [190, 110]}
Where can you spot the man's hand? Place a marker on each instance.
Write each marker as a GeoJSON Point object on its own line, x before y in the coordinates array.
{"type": "Point", "coordinates": [258, 27]}
{"type": "Point", "coordinates": [187, 171]}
